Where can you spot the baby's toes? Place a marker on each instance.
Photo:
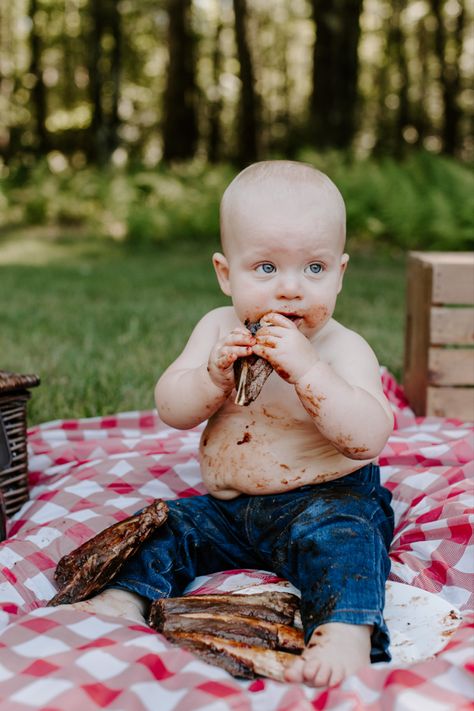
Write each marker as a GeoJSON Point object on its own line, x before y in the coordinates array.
{"type": "Point", "coordinates": [311, 669]}
{"type": "Point", "coordinates": [338, 673]}
{"type": "Point", "coordinates": [294, 673]}
{"type": "Point", "coordinates": [322, 675]}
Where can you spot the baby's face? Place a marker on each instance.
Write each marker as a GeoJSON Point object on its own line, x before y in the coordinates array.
{"type": "Point", "coordinates": [284, 254]}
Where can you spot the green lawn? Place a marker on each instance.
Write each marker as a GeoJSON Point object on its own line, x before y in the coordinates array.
{"type": "Point", "coordinates": [99, 323]}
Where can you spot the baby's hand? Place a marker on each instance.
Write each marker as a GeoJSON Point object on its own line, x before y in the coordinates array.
{"type": "Point", "coordinates": [236, 344]}
{"type": "Point", "coordinates": [287, 349]}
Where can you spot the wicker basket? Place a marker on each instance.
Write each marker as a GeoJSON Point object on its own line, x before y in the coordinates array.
{"type": "Point", "coordinates": [14, 396]}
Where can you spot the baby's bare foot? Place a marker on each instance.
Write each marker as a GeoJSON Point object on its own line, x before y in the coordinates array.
{"type": "Point", "coordinates": [335, 651]}
{"type": "Point", "coordinates": [116, 603]}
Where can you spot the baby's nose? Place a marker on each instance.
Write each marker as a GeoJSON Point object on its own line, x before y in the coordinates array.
{"type": "Point", "coordinates": [289, 287]}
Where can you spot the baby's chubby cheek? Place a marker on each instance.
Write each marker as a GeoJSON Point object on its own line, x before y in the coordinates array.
{"type": "Point", "coordinates": [317, 316]}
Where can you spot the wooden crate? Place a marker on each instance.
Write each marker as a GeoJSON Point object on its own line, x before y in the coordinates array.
{"type": "Point", "coordinates": [14, 395]}
{"type": "Point", "coordinates": [439, 334]}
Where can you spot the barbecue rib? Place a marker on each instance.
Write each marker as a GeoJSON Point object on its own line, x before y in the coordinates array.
{"type": "Point", "coordinates": [275, 607]}
{"type": "Point", "coordinates": [87, 569]}
{"type": "Point", "coordinates": [235, 627]}
{"type": "Point", "coordinates": [251, 373]}
{"type": "Point", "coordinates": [238, 659]}
{"type": "Point", "coordinates": [240, 633]}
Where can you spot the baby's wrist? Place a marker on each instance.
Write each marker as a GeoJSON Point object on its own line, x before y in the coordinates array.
{"type": "Point", "coordinates": [224, 386]}
{"type": "Point", "coordinates": [310, 375]}
{"type": "Point", "coordinates": [305, 372]}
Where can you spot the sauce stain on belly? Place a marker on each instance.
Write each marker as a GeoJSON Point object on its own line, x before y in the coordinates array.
{"type": "Point", "coordinates": [246, 438]}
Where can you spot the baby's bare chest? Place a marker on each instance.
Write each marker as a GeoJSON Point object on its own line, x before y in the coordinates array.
{"type": "Point", "coordinates": [266, 447]}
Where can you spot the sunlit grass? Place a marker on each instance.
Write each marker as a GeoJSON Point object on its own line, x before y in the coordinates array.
{"type": "Point", "coordinates": [99, 323]}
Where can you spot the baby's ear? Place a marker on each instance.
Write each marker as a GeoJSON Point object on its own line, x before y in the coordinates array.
{"type": "Point", "coordinates": [343, 267]}
{"type": "Point", "coordinates": [221, 265]}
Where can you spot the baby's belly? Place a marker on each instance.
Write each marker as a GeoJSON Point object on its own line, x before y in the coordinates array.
{"type": "Point", "coordinates": [239, 456]}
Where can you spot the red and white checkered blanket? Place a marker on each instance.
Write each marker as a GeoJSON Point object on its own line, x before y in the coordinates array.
{"type": "Point", "coordinates": [88, 474]}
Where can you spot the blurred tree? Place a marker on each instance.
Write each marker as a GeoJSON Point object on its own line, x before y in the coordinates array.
{"type": "Point", "coordinates": [335, 72]}
{"type": "Point", "coordinates": [180, 126]}
{"type": "Point", "coordinates": [248, 124]}
{"type": "Point", "coordinates": [38, 92]}
{"type": "Point", "coordinates": [420, 118]}
{"type": "Point", "coordinates": [448, 46]}
{"type": "Point", "coordinates": [215, 99]}
{"type": "Point", "coordinates": [232, 80]}
{"type": "Point", "coordinates": [104, 77]}
{"type": "Point", "coordinates": [392, 85]}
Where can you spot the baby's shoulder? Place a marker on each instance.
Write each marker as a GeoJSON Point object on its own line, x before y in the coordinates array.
{"type": "Point", "coordinates": [336, 340]}
{"type": "Point", "coordinates": [222, 316]}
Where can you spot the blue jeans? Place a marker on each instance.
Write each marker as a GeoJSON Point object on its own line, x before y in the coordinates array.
{"type": "Point", "coordinates": [330, 540]}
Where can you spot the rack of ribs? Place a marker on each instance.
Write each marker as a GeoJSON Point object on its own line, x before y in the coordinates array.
{"type": "Point", "coordinates": [251, 372]}
{"type": "Point", "coordinates": [248, 635]}
{"type": "Point", "coordinates": [87, 569]}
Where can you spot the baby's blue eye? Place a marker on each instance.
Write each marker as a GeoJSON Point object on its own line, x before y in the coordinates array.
{"type": "Point", "coordinates": [315, 268]}
{"type": "Point", "coordinates": [266, 268]}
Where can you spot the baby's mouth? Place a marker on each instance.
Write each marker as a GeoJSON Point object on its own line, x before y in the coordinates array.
{"type": "Point", "coordinates": [296, 318]}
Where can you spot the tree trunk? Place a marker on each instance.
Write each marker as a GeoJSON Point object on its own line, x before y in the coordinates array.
{"type": "Point", "coordinates": [180, 126]}
{"type": "Point", "coordinates": [401, 66]}
{"type": "Point", "coordinates": [97, 127]}
{"type": "Point", "coordinates": [335, 72]}
{"type": "Point", "coordinates": [115, 26]}
{"type": "Point", "coordinates": [38, 93]}
{"type": "Point", "coordinates": [215, 100]}
{"type": "Point", "coordinates": [449, 74]}
{"type": "Point", "coordinates": [420, 117]}
{"type": "Point", "coordinates": [247, 150]}
{"type": "Point", "coordinates": [393, 116]}
{"type": "Point", "coordinates": [104, 69]}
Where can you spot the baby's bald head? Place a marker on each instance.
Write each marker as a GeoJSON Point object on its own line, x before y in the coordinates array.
{"type": "Point", "coordinates": [279, 184]}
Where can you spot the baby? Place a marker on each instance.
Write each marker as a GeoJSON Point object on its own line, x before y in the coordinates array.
{"type": "Point", "coordinates": [293, 487]}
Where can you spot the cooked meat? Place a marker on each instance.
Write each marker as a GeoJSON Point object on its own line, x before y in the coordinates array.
{"type": "Point", "coordinates": [87, 569]}
{"type": "Point", "coordinates": [276, 607]}
{"type": "Point", "coordinates": [251, 373]}
{"type": "Point", "coordinates": [241, 633]}
{"type": "Point", "coordinates": [237, 658]}
{"type": "Point", "coordinates": [235, 627]}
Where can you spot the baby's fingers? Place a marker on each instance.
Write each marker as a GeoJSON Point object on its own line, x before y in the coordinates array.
{"type": "Point", "coordinates": [227, 356]}
{"type": "Point", "coordinates": [239, 337]}
{"type": "Point", "coordinates": [275, 319]}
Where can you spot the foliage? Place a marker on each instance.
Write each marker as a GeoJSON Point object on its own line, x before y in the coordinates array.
{"type": "Point", "coordinates": [423, 202]}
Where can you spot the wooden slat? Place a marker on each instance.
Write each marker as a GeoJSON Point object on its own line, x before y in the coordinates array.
{"type": "Point", "coordinates": [453, 283]}
{"type": "Point", "coordinates": [417, 331]}
{"type": "Point", "coordinates": [451, 402]}
{"type": "Point", "coordinates": [453, 276]}
{"type": "Point", "coordinates": [451, 366]}
{"type": "Point", "coordinates": [452, 326]}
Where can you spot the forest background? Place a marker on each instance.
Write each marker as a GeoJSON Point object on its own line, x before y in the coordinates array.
{"type": "Point", "coordinates": [122, 122]}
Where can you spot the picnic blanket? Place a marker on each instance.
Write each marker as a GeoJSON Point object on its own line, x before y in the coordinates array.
{"type": "Point", "coordinates": [87, 474]}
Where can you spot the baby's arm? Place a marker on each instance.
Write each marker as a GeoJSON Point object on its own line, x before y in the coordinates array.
{"type": "Point", "coordinates": [201, 379]}
{"type": "Point", "coordinates": [341, 392]}
{"type": "Point", "coordinates": [346, 401]}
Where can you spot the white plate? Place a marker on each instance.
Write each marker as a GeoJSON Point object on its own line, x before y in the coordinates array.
{"type": "Point", "coordinates": [420, 623]}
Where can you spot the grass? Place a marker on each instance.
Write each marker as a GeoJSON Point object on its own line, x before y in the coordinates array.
{"type": "Point", "coordinates": [99, 323]}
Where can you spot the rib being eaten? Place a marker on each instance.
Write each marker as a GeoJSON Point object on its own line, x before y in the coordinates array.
{"type": "Point", "coordinates": [251, 372]}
